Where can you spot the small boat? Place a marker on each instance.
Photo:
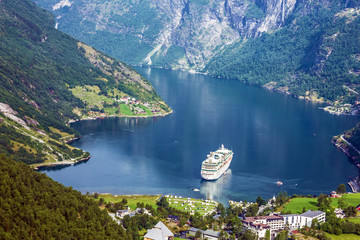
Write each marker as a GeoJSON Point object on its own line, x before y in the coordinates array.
{"type": "Point", "coordinates": [196, 190]}
{"type": "Point", "coordinates": [279, 183]}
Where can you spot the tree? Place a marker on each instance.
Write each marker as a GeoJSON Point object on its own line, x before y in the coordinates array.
{"type": "Point", "coordinates": [101, 201]}
{"type": "Point", "coordinates": [260, 201]}
{"type": "Point", "coordinates": [350, 211]}
{"type": "Point", "coordinates": [163, 202]}
{"type": "Point", "coordinates": [124, 201]}
{"type": "Point", "coordinates": [198, 234]}
{"type": "Point", "coordinates": [341, 189]}
{"type": "Point", "coordinates": [281, 198]}
{"type": "Point", "coordinates": [342, 204]}
{"type": "Point", "coordinates": [267, 235]}
{"type": "Point", "coordinates": [223, 235]}
{"type": "Point", "coordinates": [252, 210]}
{"type": "Point", "coordinates": [283, 235]}
{"type": "Point", "coordinates": [324, 202]}
{"type": "Point", "coordinates": [248, 235]}
{"type": "Point", "coordinates": [221, 209]}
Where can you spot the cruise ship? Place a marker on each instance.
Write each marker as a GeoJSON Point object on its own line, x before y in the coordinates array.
{"type": "Point", "coordinates": [216, 163]}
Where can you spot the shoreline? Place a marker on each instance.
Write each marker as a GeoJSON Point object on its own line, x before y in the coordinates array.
{"type": "Point", "coordinates": [62, 163]}
{"type": "Point", "coordinates": [117, 116]}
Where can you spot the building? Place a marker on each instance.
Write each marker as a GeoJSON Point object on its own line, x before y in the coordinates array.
{"type": "Point", "coordinates": [339, 213]}
{"type": "Point", "coordinates": [173, 218]}
{"type": "Point", "coordinates": [260, 224]}
{"type": "Point", "coordinates": [123, 213]}
{"type": "Point", "coordinates": [208, 234]}
{"type": "Point", "coordinates": [159, 232]}
{"type": "Point", "coordinates": [192, 231]}
{"type": "Point", "coordinates": [295, 221]}
{"type": "Point", "coordinates": [142, 211]}
{"type": "Point", "coordinates": [211, 235]}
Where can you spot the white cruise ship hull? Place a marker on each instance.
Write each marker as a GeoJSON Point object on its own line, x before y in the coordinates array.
{"type": "Point", "coordinates": [214, 175]}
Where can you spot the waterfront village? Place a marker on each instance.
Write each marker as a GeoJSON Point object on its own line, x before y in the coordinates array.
{"type": "Point", "coordinates": [281, 217]}
{"type": "Point", "coordinates": [127, 106]}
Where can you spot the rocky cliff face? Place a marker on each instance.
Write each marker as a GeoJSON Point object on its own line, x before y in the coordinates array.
{"type": "Point", "coordinates": [168, 33]}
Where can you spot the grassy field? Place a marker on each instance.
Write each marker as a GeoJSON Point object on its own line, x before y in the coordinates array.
{"type": "Point", "coordinates": [90, 95]}
{"type": "Point", "coordinates": [343, 236]}
{"type": "Point", "coordinates": [148, 112]}
{"type": "Point", "coordinates": [192, 205]}
{"type": "Point", "coordinates": [125, 110]}
{"type": "Point", "coordinates": [355, 220]}
{"type": "Point", "coordinates": [296, 205]}
{"type": "Point", "coordinates": [132, 199]}
{"type": "Point", "coordinates": [111, 110]}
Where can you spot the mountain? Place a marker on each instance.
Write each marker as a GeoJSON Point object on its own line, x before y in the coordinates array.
{"type": "Point", "coordinates": [48, 78]}
{"type": "Point", "coordinates": [33, 206]}
{"type": "Point", "coordinates": [315, 56]}
{"type": "Point", "coordinates": [176, 34]}
{"type": "Point", "coordinates": [349, 143]}
{"type": "Point", "coordinates": [306, 48]}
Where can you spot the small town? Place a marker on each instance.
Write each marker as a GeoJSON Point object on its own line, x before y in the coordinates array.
{"type": "Point", "coordinates": [126, 106]}
{"type": "Point", "coordinates": [281, 217]}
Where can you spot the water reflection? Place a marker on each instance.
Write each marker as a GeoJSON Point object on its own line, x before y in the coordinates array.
{"type": "Point", "coordinates": [215, 190]}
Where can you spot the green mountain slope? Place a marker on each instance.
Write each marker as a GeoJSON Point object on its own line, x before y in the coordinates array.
{"type": "Point", "coordinates": [314, 56]}
{"type": "Point", "coordinates": [33, 206]}
{"type": "Point", "coordinates": [48, 78]}
{"type": "Point", "coordinates": [305, 48]}
{"type": "Point", "coordinates": [349, 143]}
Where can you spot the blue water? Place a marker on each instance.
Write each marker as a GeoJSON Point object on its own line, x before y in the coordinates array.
{"type": "Point", "coordinates": [274, 138]}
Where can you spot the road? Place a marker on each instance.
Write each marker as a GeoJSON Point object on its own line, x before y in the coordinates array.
{"type": "Point", "coordinates": [348, 143]}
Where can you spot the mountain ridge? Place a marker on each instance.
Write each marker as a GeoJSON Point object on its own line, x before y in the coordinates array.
{"type": "Point", "coordinates": [230, 39]}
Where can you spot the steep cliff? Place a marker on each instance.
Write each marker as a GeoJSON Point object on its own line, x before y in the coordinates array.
{"type": "Point", "coordinates": [305, 48]}
{"type": "Point", "coordinates": [176, 34]}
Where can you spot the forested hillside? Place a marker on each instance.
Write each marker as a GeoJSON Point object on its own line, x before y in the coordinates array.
{"type": "Point", "coordinates": [306, 48]}
{"type": "Point", "coordinates": [47, 78]}
{"type": "Point", "coordinates": [314, 56]}
{"type": "Point", "coordinates": [33, 206]}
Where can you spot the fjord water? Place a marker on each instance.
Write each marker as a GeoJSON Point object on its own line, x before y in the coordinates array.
{"type": "Point", "coordinates": [274, 138]}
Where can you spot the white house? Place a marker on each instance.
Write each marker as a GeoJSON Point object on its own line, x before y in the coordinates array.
{"type": "Point", "coordinates": [123, 213]}
{"type": "Point", "coordinates": [159, 232]}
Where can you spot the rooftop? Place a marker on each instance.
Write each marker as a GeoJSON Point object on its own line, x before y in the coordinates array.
{"type": "Point", "coordinates": [311, 214]}
{"type": "Point", "coordinates": [211, 233]}
{"type": "Point", "coordinates": [159, 232]}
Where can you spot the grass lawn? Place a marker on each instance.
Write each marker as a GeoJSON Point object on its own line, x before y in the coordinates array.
{"type": "Point", "coordinates": [91, 96]}
{"type": "Point", "coordinates": [125, 110]}
{"type": "Point", "coordinates": [296, 205]}
{"type": "Point", "coordinates": [148, 112]}
{"type": "Point", "coordinates": [132, 199]}
{"type": "Point", "coordinates": [354, 220]}
{"type": "Point", "coordinates": [111, 110]}
{"type": "Point", "coordinates": [343, 236]}
{"type": "Point", "coordinates": [352, 199]}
